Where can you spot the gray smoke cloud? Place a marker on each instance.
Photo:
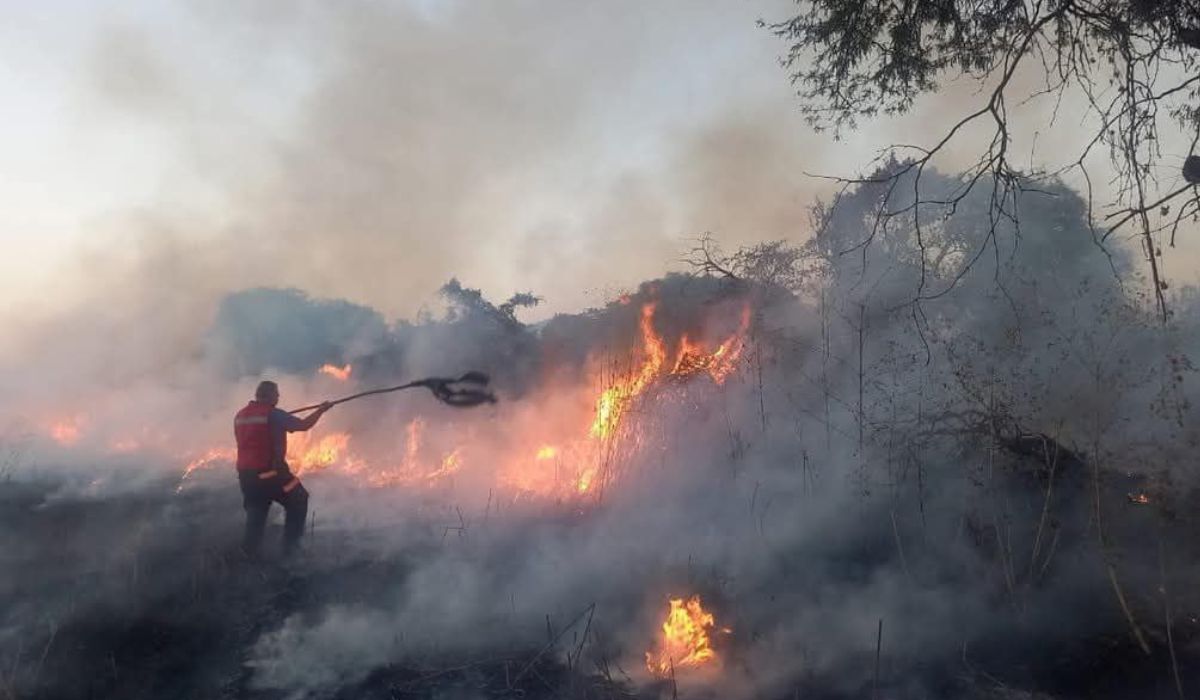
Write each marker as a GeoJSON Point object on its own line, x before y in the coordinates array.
{"type": "Point", "coordinates": [371, 152]}
{"type": "Point", "coordinates": [806, 518]}
{"type": "Point", "coordinates": [423, 142]}
{"type": "Point", "coordinates": [870, 460]}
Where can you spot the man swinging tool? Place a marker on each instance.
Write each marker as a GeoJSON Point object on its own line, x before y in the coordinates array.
{"type": "Point", "coordinates": [261, 430]}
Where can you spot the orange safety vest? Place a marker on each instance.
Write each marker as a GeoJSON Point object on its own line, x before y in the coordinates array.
{"type": "Point", "coordinates": [253, 433]}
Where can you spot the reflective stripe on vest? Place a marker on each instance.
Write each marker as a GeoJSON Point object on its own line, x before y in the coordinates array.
{"type": "Point", "coordinates": [253, 432]}
{"type": "Point", "coordinates": [250, 420]}
{"type": "Point", "coordinates": [287, 488]}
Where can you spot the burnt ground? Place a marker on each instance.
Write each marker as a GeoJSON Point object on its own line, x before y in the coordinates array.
{"type": "Point", "coordinates": [145, 596]}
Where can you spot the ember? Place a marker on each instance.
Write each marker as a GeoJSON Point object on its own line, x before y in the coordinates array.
{"type": "Point", "coordinates": [684, 640]}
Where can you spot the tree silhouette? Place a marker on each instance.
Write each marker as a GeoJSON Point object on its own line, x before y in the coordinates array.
{"type": "Point", "coordinates": [1134, 64]}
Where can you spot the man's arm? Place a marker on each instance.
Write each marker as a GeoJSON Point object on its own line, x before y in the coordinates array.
{"type": "Point", "coordinates": [294, 424]}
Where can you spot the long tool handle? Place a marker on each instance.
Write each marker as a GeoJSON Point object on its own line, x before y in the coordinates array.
{"type": "Point", "coordinates": [358, 396]}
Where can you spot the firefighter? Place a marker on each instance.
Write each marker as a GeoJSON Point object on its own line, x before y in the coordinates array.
{"type": "Point", "coordinates": [261, 430]}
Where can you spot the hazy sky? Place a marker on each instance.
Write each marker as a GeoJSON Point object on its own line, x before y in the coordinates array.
{"type": "Point", "coordinates": [166, 153]}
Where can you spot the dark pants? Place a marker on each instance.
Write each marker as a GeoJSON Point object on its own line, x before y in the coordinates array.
{"type": "Point", "coordinates": [259, 489]}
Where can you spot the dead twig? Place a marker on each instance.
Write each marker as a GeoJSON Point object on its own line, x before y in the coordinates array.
{"type": "Point", "coordinates": [878, 649]}
{"type": "Point", "coordinates": [1162, 570]}
{"type": "Point", "coordinates": [1133, 625]}
{"type": "Point", "coordinates": [549, 645]}
{"type": "Point", "coordinates": [900, 548]}
{"type": "Point", "coordinates": [37, 673]}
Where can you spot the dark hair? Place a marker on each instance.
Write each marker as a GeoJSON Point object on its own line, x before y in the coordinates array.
{"type": "Point", "coordinates": [265, 389]}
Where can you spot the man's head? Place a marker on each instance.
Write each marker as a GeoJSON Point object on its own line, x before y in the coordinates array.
{"type": "Point", "coordinates": [267, 392]}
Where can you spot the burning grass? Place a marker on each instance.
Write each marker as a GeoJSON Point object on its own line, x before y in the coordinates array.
{"type": "Point", "coordinates": [685, 639]}
{"type": "Point", "coordinates": [641, 465]}
{"type": "Point", "coordinates": [573, 437]}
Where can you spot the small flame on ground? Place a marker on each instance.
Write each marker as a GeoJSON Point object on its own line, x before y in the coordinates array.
{"type": "Point", "coordinates": [216, 454]}
{"type": "Point", "coordinates": [413, 467]}
{"type": "Point", "coordinates": [1139, 498]}
{"type": "Point", "coordinates": [340, 373]}
{"type": "Point", "coordinates": [451, 463]}
{"type": "Point", "coordinates": [684, 639]}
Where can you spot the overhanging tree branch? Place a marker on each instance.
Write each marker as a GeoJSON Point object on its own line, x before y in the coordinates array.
{"type": "Point", "coordinates": [1134, 62]}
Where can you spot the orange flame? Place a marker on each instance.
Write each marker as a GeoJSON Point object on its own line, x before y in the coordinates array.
{"type": "Point", "coordinates": [451, 463]}
{"type": "Point", "coordinates": [306, 455]}
{"type": "Point", "coordinates": [720, 363]}
{"type": "Point", "coordinates": [1139, 498]}
{"type": "Point", "coordinates": [413, 468]}
{"type": "Point", "coordinates": [684, 640]}
{"type": "Point", "coordinates": [614, 401]}
{"type": "Point", "coordinates": [208, 458]}
{"type": "Point", "coordinates": [412, 444]}
{"type": "Point", "coordinates": [584, 462]}
{"type": "Point", "coordinates": [66, 431]}
{"type": "Point", "coordinates": [585, 480]}
{"type": "Point", "coordinates": [340, 373]}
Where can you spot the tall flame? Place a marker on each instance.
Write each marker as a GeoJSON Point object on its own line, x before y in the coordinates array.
{"type": "Point", "coordinates": [614, 401]}
{"type": "Point", "coordinates": [584, 463]}
{"type": "Point", "coordinates": [684, 639]}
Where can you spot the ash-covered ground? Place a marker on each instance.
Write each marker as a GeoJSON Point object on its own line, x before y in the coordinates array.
{"type": "Point", "coordinates": [917, 480]}
{"type": "Point", "coordinates": [146, 597]}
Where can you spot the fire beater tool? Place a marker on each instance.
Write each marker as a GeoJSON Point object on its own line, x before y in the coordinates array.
{"type": "Point", "coordinates": [462, 392]}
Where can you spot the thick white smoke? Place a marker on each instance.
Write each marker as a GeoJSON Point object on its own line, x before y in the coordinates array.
{"type": "Point", "coordinates": [922, 460]}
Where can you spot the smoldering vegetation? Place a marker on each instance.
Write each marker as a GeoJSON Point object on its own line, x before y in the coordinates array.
{"type": "Point", "coordinates": [922, 481]}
